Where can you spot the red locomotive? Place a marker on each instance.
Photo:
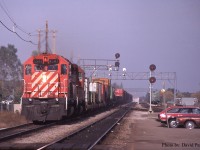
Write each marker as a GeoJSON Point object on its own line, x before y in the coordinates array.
{"type": "Point", "coordinates": [55, 88]}
{"type": "Point", "coordinates": [121, 95]}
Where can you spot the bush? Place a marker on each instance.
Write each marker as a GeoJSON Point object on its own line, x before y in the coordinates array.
{"type": "Point", "coordinates": [10, 119]}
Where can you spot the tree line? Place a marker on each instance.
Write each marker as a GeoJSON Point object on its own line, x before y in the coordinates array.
{"type": "Point", "coordinates": [158, 95]}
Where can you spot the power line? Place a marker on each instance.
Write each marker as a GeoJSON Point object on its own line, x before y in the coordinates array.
{"type": "Point", "coordinates": [12, 20]}
{"type": "Point", "coordinates": [6, 12]}
{"type": "Point", "coordinates": [15, 25]}
{"type": "Point", "coordinates": [16, 34]}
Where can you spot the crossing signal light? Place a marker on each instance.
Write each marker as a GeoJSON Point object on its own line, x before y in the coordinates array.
{"type": "Point", "coordinates": [152, 79]}
{"type": "Point", "coordinates": [152, 67]}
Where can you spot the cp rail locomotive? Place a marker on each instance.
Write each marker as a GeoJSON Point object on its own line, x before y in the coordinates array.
{"type": "Point", "coordinates": [55, 88]}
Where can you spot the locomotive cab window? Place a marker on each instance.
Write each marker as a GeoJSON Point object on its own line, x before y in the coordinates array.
{"type": "Point", "coordinates": [46, 68]}
{"type": "Point", "coordinates": [63, 69]}
{"type": "Point", "coordinates": [80, 76]}
{"type": "Point", "coordinates": [28, 69]}
{"type": "Point", "coordinates": [38, 67]}
{"type": "Point", "coordinates": [53, 67]}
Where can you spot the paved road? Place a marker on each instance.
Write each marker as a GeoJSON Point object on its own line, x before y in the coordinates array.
{"type": "Point", "coordinates": [140, 131]}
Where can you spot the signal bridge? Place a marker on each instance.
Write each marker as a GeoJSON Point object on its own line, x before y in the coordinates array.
{"type": "Point", "coordinates": [136, 75]}
{"type": "Point", "coordinates": [99, 64]}
{"type": "Point", "coordinates": [168, 76]}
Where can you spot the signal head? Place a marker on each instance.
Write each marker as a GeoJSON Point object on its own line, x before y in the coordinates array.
{"type": "Point", "coordinates": [117, 55]}
{"type": "Point", "coordinates": [152, 67]}
{"type": "Point", "coordinates": [117, 64]}
{"type": "Point", "coordinates": [152, 79]}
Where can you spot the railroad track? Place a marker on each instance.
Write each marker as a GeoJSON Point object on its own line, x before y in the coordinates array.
{"type": "Point", "coordinates": [11, 138]}
{"type": "Point", "coordinates": [10, 133]}
{"type": "Point", "coordinates": [88, 136]}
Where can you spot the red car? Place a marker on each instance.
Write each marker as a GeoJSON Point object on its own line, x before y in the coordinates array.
{"type": "Point", "coordinates": [190, 122]}
{"type": "Point", "coordinates": [169, 115]}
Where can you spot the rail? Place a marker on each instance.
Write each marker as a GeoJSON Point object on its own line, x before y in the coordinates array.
{"type": "Point", "coordinates": [10, 133]}
{"type": "Point", "coordinates": [88, 136]}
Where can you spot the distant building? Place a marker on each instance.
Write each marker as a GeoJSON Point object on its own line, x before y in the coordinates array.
{"type": "Point", "coordinates": [136, 100]}
{"type": "Point", "coordinates": [186, 101]}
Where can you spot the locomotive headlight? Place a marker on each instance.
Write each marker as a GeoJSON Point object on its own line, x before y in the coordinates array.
{"type": "Point", "coordinates": [57, 101]}
{"type": "Point", "coordinates": [44, 78]}
{"type": "Point", "coordinates": [30, 101]}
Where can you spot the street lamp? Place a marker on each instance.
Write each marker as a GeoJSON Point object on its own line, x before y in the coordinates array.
{"type": "Point", "coordinates": [163, 91]}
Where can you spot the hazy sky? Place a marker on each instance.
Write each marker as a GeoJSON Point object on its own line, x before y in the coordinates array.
{"type": "Point", "coordinates": [163, 32]}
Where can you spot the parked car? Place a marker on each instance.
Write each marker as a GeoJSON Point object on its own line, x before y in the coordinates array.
{"type": "Point", "coordinates": [190, 122]}
{"type": "Point", "coordinates": [169, 115]}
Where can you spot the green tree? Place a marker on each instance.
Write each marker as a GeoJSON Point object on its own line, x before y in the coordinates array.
{"type": "Point", "coordinates": [10, 71]}
{"type": "Point", "coordinates": [183, 94]}
{"type": "Point", "coordinates": [186, 94]}
{"type": "Point", "coordinates": [169, 95]}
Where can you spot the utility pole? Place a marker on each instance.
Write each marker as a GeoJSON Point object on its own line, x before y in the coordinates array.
{"type": "Point", "coordinates": [163, 91]}
{"type": "Point", "coordinates": [39, 44]}
{"type": "Point", "coordinates": [54, 42]}
{"type": "Point", "coordinates": [46, 37]}
{"type": "Point", "coordinates": [46, 31]}
{"type": "Point", "coordinates": [150, 95]}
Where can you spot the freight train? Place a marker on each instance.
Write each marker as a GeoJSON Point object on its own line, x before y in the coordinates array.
{"type": "Point", "coordinates": [55, 88]}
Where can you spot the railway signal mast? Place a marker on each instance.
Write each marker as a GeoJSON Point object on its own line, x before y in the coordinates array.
{"type": "Point", "coordinates": [152, 80]}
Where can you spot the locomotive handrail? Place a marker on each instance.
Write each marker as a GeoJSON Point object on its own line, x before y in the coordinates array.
{"type": "Point", "coordinates": [22, 95]}
{"type": "Point", "coordinates": [65, 86]}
